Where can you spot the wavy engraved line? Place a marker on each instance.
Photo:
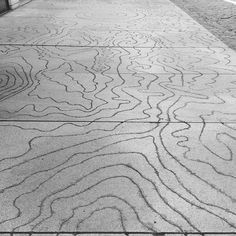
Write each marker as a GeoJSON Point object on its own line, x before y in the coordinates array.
{"type": "Point", "coordinates": [26, 83]}
{"type": "Point", "coordinates": [175, 158]}
{"type": "Point", "coordinates": [232, 224]}
{"type": "Point", "coordinates": [30, 142]}
{"type": "Point", "coordinates": [104, 208]}
{"type": "Point", "coordinates": [102, 197]}
{"type": "Point", "coordinates": [103, 180]}
{"type": "Point", "coordinates": [154, 169]}
{"type": "Point", "coordinates": [215, 154]}
{"type": "Point", "coordinates": [181, 144]}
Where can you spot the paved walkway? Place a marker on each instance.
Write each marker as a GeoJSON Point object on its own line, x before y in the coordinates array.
{"type": "Point", "coordinates": [116, 115]}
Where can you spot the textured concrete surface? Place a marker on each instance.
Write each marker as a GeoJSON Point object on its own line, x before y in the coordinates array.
{"type": "Point", "coordinates": [218, 16]}
{"type": "Point", "coordinates": [115, 116]}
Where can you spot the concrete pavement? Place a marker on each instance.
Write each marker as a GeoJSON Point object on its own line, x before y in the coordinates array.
{"type": "Point", "coordinates": [115, 115]}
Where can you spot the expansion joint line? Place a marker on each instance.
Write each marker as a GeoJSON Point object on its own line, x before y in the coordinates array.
{"type": "Point", "coordinates": [118, 233]}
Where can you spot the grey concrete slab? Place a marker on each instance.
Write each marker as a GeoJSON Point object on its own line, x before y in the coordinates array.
{"type": "Point", "coordinates": [122, 60]}
{"type": "Point", "coordinates": [156, 23]}
{"type": "Point", "coordinates": [117, 84]}
{"type": "Point", "coordinates": [117, 177]}
{"type": "Point", "coordinates": [108, 24]}
{"type": "Point", "coordinates": [161, 16]}
{"type": "Point", "coordinates": [115, 116]}
{"type": "Point", "coordinates": [44, 34]}
{"type": "Point", "coordinates": [50, 95]}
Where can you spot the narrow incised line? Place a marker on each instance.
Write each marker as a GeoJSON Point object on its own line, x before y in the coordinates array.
{"type": "Point", "coordinates": [95, 46]}
{"type": "Point", "coordinates": [119, 232]}
{"type": "Point", "coordinates": [121, 121]}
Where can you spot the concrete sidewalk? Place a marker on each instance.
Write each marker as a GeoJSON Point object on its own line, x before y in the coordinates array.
{"type": "Point", "coordinates": [115, 116]}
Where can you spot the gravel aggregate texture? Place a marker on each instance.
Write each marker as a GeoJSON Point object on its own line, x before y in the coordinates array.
{"type": "Point", "coordinates": [218, 16]}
